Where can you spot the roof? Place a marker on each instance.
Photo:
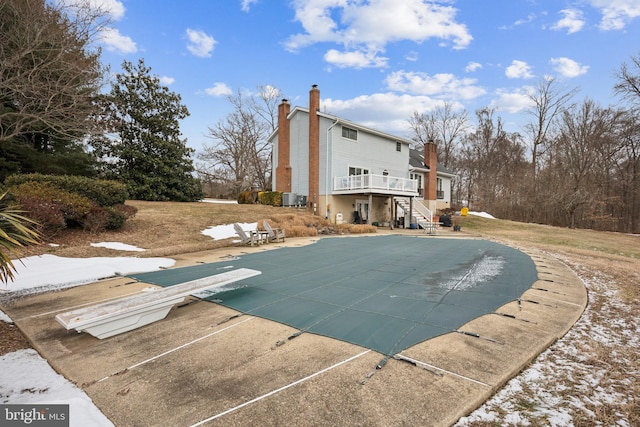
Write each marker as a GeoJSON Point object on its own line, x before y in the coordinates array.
{"type": "Point", "coordinates": [416, 161]}
{"type": "Point", "coordinates": [349, 123]}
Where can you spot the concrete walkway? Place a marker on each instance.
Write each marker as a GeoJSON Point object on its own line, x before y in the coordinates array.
{"type": "Point", "coordinates": [209, 365]}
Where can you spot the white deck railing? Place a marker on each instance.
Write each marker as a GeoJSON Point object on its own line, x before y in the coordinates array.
{"type": "Point", "coordinates": [375, 183]}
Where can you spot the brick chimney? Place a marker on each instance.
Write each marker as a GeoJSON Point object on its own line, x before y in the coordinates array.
{"type": "Point", "coordinates": [431, 161]}
{"type": "Point", "coordinates": [314, 147]}
{"type": "Point", "coordinates": [283, 170]}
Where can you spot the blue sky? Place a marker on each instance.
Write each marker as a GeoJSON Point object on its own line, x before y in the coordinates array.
{"type": "Point", "coordinates": [375, 62]}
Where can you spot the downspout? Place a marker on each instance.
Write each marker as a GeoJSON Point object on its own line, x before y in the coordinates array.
{"type": "Point", "coordinates": [327, 177]}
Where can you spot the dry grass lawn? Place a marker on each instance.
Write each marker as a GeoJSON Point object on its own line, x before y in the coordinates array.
{"type": "Point", "coordinates": [170, 228]}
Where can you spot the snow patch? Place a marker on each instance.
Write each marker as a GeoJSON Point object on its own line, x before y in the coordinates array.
{"type": "Point", "coordinates": [482, 271]}
{"type": "Point", "coordinates": [117, 246]}
{"type": "Point", "coordinates": [482, 214]}
{"type": "Point", "coordinates": [49, 272]}
{"type": "Point", "coordinates": [226, 231]}
{"type": "Point", "coordinates": [28, 378]}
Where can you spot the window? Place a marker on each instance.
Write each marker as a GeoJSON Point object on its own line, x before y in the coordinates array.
{"type": "Point", "coordinates": [398, 146]}
{"type": "Point", "coordinates": [349, 133]}
{"type": "Point", "coordinates": [358, 171]}
{"type": "Point", "coordinates": [417, 177]}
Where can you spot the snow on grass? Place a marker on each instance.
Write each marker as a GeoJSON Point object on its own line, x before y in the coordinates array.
{"type": "Point", "coordinates": [586, 378]}
{"type": "Point", "coordinates": [117, 246]}
{"type": "Point", "coordinates": [482, 214]}
{"type": "Point", "coordinates": [226, 231]}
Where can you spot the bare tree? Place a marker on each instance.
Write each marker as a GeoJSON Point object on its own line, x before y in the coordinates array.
{"type": "Point", "coordinates": [49, 74]}
{"type": "Point", "coordinates": [492, 165]}
{"type": "Point", "coordinates": [444, 126]}
{"type": "Point", "coordinates": [628, 84]}
{"type": "Point", "coordinates": [548, 102]}
{"type": "Point", "coordinates": [582, 159]}
{"type": "Point", "coordinates": [241, 154]}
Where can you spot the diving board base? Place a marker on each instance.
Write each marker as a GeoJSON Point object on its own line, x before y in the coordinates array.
{"type": "Point", "coordinates": [114, 317]}
{"type": "Point", "coordinates": [129, 321]}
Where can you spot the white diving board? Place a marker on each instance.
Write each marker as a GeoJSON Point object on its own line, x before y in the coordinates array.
{"type": "Point", "coordinates": [111, 318]}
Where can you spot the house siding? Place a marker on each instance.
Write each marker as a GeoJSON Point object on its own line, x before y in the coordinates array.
{"type": "Point", "coordinates": [371, 152]}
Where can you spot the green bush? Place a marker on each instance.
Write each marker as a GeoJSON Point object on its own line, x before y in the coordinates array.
{"type": "Point", "coordinates": [51, 207]}
{"type": "Point", "coordinates": [101, 191]}
{"type": "Point", "coordinates": [270, 198]}
{"type": "Point", "coordinates": [108, 218]}
{"type": "Point", "coordinates": [55, 208]}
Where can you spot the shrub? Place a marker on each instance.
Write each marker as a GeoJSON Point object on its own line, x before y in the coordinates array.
{"type": "Point", "coordinates": [55, 209]}
{"type": "Point", "coordinates": [103, 192]}
{"type": "Point", "coordinates": [245, 198]}
{"type": "Point", "coordinates": [50, 206]}
{"type": "Point", "coordinates": [270, 198]}
{"type": "Point", "coordinates": [119, 214]}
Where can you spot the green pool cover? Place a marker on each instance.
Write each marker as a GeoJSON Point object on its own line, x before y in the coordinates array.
{"type": "Point", "coordinates": [385, 293]}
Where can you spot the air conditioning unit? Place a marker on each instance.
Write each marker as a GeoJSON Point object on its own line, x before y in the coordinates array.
{"type": "Point", "coordinates": [301, 200]}
{"type": "Point", "coordinates": [289, 199]}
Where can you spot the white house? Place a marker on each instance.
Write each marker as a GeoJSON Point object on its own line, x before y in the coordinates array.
{"type": "Point", "coordinates": [348, 172]}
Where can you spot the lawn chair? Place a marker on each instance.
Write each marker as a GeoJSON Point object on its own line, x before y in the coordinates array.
{"type": "Point", "coordinates": [274, 234]}
{"type": "Point", "coordinates": [246, 239]}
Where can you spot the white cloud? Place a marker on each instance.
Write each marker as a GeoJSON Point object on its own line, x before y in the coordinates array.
{"type": "Point", "coordinates": [412, 56]}
{"type": "Point", "coordinates": [518, 70]}
{"type": "Point", "coordinates": [530, 18]}
{"type": "Point", "coordinates": [513, 102]}
{"type": "Point", "coordinates": [218, 89]}
{"type": "Point", "coordinates": [367, 27]}
{"type": "Point", "coordinates": [437, 85]}
{"type": "Point", "coordinates": [573, 21]}
{"type": "Point", "coordinates": [246, 5]}
{"type": "Point", "coordinates": [387, 112]}
{"type": "Point", "coordinates": [116, 42]}
{"type": "Point", "coordinates": [616, 14]}
{"type": "Point", "coordinates": [166, 80]}
{"type": "Point", "coordinates": [355, 59]}
{"type": "Point", "coordinates": [568, 67]}
{"type": "Point", "coordinates": [114, 8]}
{"type": "Point", "coordinates": [472, 66]}
{"type": "Point", "coordinates": [200, 43]}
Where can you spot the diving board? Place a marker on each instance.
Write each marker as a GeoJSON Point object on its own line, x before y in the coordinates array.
{"type": "Point", "coordinates": [124, 314]}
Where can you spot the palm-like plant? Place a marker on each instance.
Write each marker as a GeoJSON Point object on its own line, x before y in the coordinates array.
{"type": "Point", "coordinates": [16, 232]}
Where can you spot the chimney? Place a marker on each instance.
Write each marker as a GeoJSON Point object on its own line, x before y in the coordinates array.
{"type": "Point", "coordinates": [431, 161]}
{"type": "Point", "coordinates": [314, 147]}
{"type": "Point", "coordinates": [283, 170]}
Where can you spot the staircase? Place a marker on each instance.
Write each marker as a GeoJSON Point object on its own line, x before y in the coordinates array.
{"type": "Point", "coordinates": [422, 214]}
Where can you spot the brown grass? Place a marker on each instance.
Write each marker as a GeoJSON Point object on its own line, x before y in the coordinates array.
{"type": "Point", "coordinates": [170, 228]}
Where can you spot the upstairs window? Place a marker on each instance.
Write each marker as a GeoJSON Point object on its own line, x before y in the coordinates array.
{"type": "Point", "coordinates": [349, 133]}
{"type": "Point", "coordinates": [358, 171]}
{"type": "Point", "coordinates": [398, 146]}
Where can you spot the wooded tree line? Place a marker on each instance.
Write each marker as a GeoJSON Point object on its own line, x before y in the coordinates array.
{"type": "Point", "coordinates": [577, 164]}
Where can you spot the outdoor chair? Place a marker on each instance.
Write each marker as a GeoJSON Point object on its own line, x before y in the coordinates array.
{"type": "Point", "coordinates": [246, 238]}
{"type": "Point", "coordinates": [274, 234]}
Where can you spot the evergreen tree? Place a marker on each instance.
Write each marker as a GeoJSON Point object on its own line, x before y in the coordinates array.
{"type": "Point", "coordinates": [145, 150]}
